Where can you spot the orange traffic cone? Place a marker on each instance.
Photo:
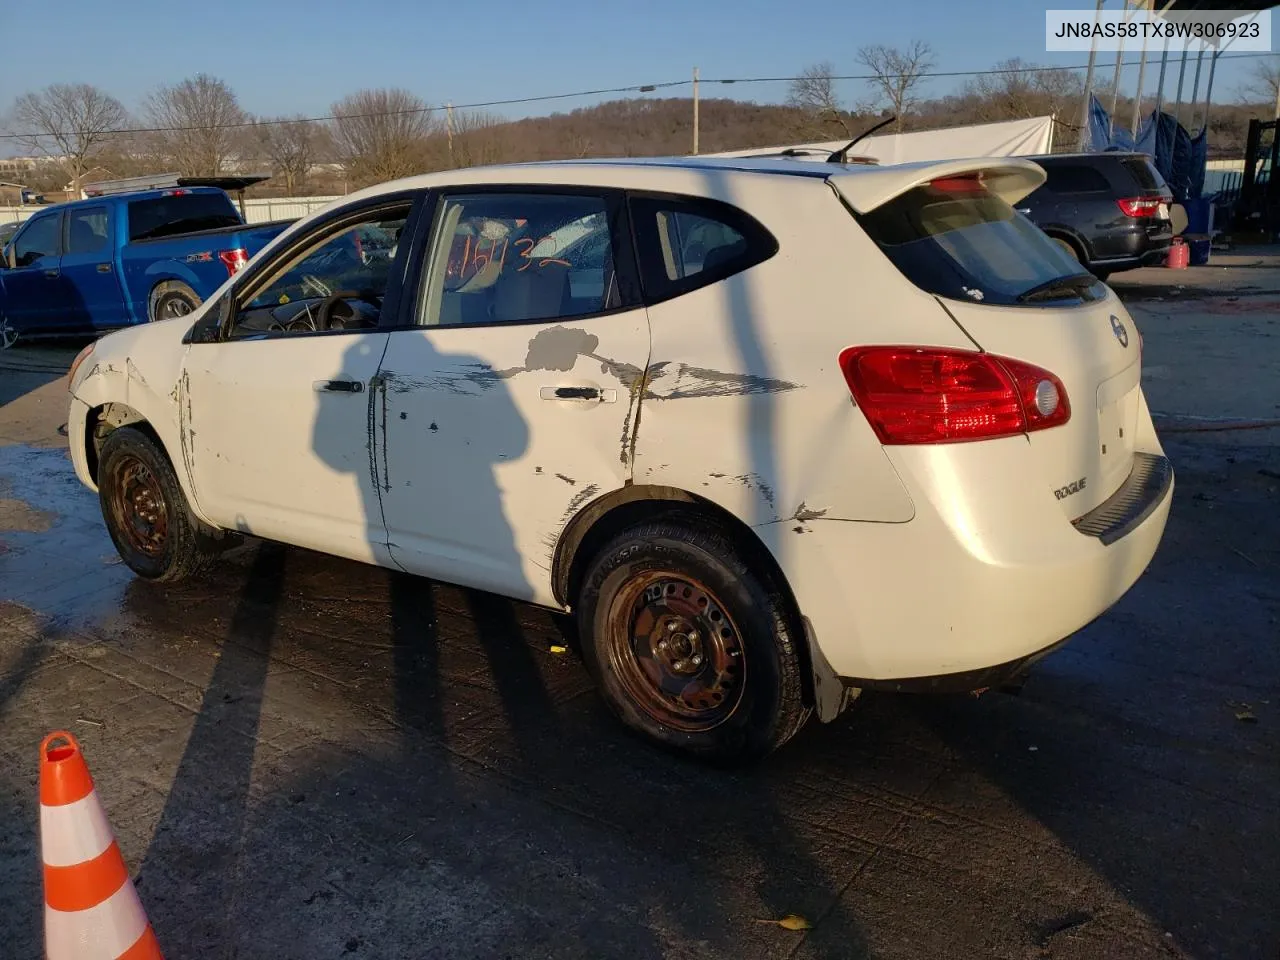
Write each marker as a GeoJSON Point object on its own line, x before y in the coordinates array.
{"type": "Point", "coordinates": [91, 910]}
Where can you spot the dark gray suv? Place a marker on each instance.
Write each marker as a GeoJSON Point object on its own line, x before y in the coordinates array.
{"type": "Point", "coordinates": [1108, 210]}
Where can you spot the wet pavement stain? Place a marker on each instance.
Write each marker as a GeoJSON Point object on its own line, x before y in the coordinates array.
{"type": "Point", "coordinates": [54, 538]}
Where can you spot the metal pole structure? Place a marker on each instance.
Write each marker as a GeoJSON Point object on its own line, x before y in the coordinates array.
{"type": "Point", "coordinates": [1164, 62]}
{"type": "Point", "coordinates": [1115, 82]}
{"type": "Point", "coordinates": [1083, 140]}
{"type": "Point", "coordinates": [1195, 90]}
{"type": "Point", "coordinates": [695, 111]}
{"type": "Point", "coordinates": [1182, 72]}
{"type": "Point", "coordinates": [1142, 71]}
{"type": "Point", "coordinates": [1208, 93]}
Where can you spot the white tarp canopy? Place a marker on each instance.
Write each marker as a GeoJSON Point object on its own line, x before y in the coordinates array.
{"type": "Point", "coordinates": [1009, 138]}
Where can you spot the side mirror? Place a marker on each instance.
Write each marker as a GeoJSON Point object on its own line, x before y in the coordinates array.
{"type": "Point", "coordinates": [211, 323]}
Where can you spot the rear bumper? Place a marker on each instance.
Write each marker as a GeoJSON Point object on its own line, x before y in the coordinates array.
{"type": "Point", "coordinates": [987, 577]}
{"type": "Point", "coordinates": [1142, 244]}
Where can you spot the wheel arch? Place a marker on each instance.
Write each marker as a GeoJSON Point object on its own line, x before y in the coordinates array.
{"type": "Point", "coordinates": [106, 418]}
{"type": "Point", "coordinates": [606, 516]}
{"type": "Point", "coordinates": [1072, 237]}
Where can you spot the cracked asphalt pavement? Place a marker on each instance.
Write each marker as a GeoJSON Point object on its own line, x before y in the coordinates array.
{"type": "Point", "coordinates": [304, 757]}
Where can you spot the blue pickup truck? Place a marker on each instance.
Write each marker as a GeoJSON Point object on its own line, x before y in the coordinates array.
{"type": "Point", "coordinates": [113, 261]}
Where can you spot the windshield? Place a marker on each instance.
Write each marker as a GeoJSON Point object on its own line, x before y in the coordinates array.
{"type": "Point", "coordinates": [180, 213]}
{"type": "Point", "coordinates": [956, 239]}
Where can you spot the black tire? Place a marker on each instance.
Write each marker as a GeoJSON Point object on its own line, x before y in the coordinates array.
{"type": "Point", "coordinates": [146, 512]}
{"type": "Point", "coordinates": [635, 590]}
{"type": "Point", "coordinates": [170, 300]}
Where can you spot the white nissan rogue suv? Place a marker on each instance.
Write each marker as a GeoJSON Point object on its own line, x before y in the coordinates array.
{"type": "Point", "coordinates": [773, 432]}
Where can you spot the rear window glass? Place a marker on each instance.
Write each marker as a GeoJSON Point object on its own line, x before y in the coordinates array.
{"type": "Point", "coordinates": [1145, 172]}
{"type": "Point", "coordinates": [1075, 178]}
{"type": "Point", "coordinates": [955, 239]}
{"type": "Point", "coordinates": [183, 213]}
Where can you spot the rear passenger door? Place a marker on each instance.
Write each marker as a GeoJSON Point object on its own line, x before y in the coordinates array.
{"type": "Point", "coordinates": [88, 268]}
{"type": "Point", "coordinates": [508, 395]}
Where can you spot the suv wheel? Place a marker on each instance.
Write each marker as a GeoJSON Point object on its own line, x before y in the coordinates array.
{"type": "Point", "coordinates": [689, 646]}
{"type": "Point", "coordinates": [146, 511]}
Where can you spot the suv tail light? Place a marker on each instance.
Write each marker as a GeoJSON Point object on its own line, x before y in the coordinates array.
{"type": "Point", "coordinates": [233, 260]}
{"type": "Point", "coordinates": [1139, 206]}
{"type": "Point", "coordinates": [913, 395]}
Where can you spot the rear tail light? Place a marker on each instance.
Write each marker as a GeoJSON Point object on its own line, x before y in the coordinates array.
{"type": "Point", "coordinates": [913, 395]}
{"type": "Point", "coordinates": [1139, 206]}
{"type": "Point", "coordinates": [233, 260]}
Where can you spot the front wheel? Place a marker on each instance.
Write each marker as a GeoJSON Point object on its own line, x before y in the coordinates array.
{"type": "Point", "coordinates": [689, 645]}
{"type": "Point", "coordinates": [146, 511]}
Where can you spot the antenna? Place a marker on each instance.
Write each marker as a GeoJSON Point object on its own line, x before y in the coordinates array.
{"type": "Point", "coordinates": [839, 156]}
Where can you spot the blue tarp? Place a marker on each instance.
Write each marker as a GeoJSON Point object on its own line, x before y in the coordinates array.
{"type": "Point", "coordinates": [1178, 156]}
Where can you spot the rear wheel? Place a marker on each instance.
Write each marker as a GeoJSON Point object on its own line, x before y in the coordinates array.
{"type": "Point", "coordinates": [689, 646]}
{"type": "Point", "coordinates": [146, 511]}
{"type": "Point", "coordinates": [172, 299]}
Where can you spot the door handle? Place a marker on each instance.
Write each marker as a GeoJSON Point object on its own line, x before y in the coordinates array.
{"type": "Point", "coordinates": [595, 394]}
{"type": "Point", "coordinates": [338, 386]}
{"type": "Point", "coordinates": [51, 274]}
{"type": "Point", "coordinates": [104, 268]}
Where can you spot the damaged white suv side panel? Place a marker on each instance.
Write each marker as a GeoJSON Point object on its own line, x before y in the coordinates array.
{"type": "Point", "coordinates": [773, 432]}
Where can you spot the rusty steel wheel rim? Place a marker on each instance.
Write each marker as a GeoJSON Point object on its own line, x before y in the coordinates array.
{"type": "Point", "coordinates": [676, 652]}
{"type": "Point", "coordinates": [139, 508]}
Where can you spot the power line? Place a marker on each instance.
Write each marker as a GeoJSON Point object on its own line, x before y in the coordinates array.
{"type": "Point", "coordinates": [635, 88]}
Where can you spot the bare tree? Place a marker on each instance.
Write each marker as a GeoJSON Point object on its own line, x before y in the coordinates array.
{"type": "Point", "coordinates": [1263, 84]}
{"type": "Point", "coordinates": [477, 138]}
{"type": "Point", "coordinates": [897, 74]}
{"type": "Point", "coordinates": [381, 134]}
{"type": "Point", "coordinates": [200, 125]}
{"type": "Point", "coordinates": [814, 93]}
{"type": "Point", "coordinates": [1020, 89]}
{"type": "Point", "coordinates": [291, 146]}
{"type": "Point", "coordinates": [75, 121]}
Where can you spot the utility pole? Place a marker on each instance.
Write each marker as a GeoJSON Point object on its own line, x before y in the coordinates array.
{"type": "Point", "coordinates": [695, 111]}
{"type": "Point", "coordinates": [1083, 140]}
{"type": "Point", "coordinates": [448, 113]}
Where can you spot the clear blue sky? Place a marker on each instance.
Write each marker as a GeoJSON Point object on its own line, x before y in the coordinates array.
{"type": "Point", "coordinates": [298, 56]}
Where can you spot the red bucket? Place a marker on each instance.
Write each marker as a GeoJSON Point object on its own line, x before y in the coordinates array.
{"type": "Point", "coordinates": [1179, 255]}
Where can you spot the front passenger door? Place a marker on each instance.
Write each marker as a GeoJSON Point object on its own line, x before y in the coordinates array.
{"type": "Point", "coordinates": [36, 298]}
{"type": "Point", "coordinates": [278, 408]}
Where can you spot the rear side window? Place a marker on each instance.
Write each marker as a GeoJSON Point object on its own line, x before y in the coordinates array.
{"type": "Point", "coordinates": [684, 243]}
{"type": "Point", "coordinates": [180, 213]}
{"type": "Point", "coordinates": [520, 257]}
{"type": "Point", "coordinates": [955, 239]}
{"type": "Point", "coordinates": [38, 240]}
{"type": "Point", "coordinates": [87, 230]}
{"type": "Point", "coordinates": [1075, 178]}
{"type": "Point", "coordinates": [1144, 172]}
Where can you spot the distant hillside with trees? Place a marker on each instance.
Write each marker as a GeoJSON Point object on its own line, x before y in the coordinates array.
{"type": "Point", "coordinates": [198, 126]}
